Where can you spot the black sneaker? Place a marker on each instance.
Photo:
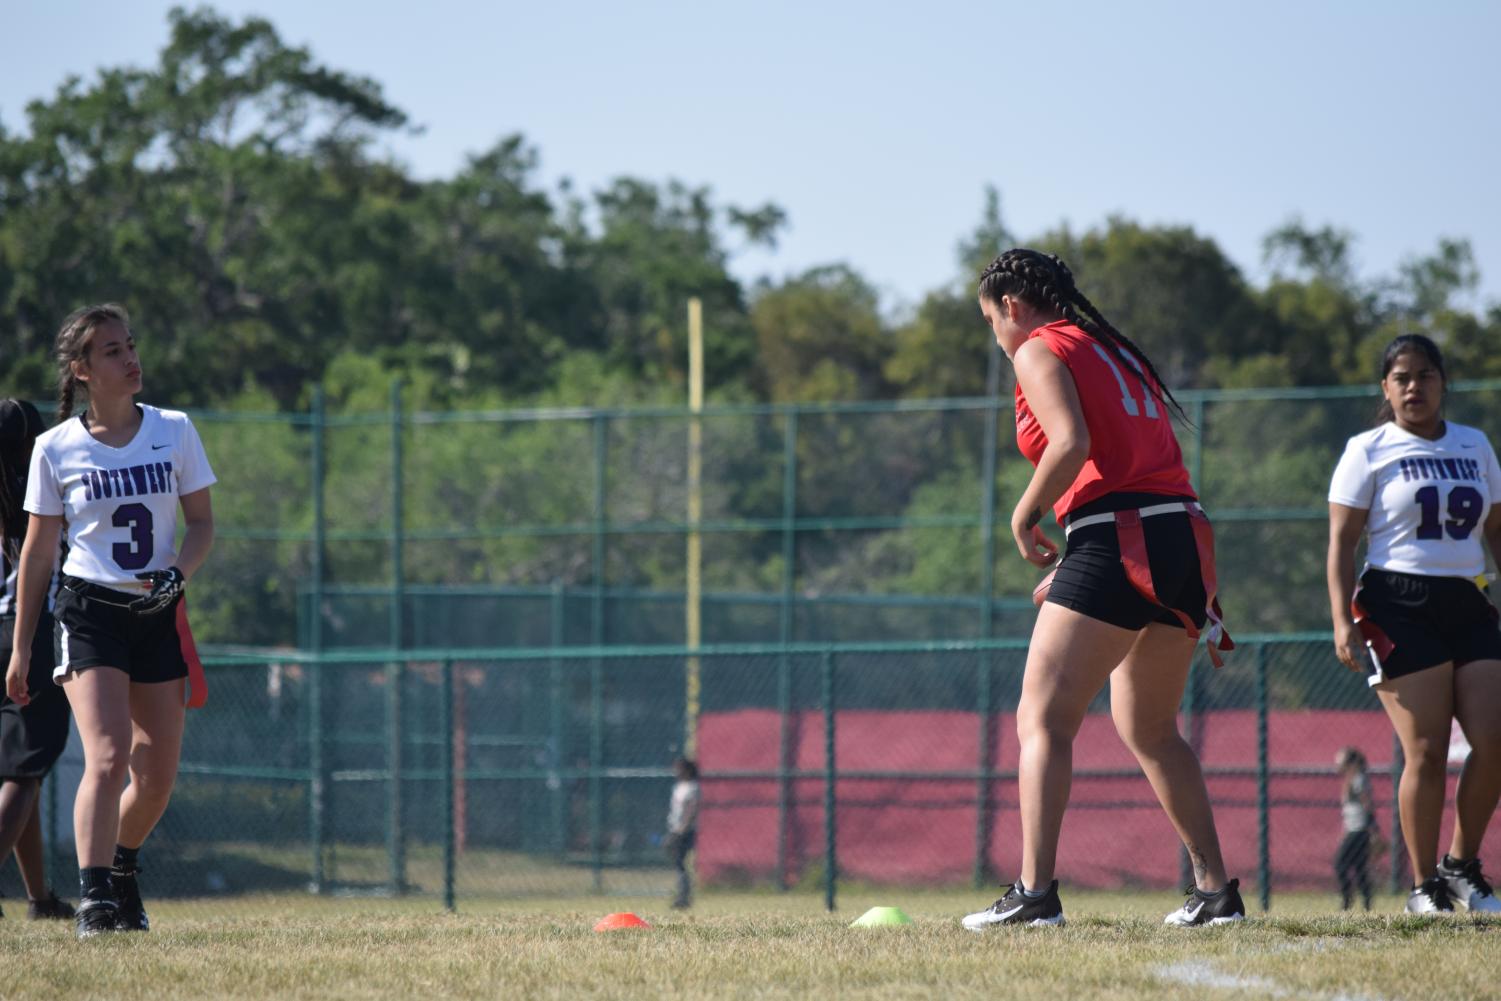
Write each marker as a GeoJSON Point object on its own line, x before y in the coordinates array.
{"type": "Point", "coordinates": [49, 907]}
{"type": "Point", "coordinates": [1016, 908]}
{"type": "Point", "coordinates": [132, 915]}
{"type": "Point", "coordinates": [1431, 896]}
{"type": "Point", "coordinates": [95, 917]}
{"type": "Point", "coordinates": [1221, 908]}
{"type": "Point", "coordinates": [1468, 889]}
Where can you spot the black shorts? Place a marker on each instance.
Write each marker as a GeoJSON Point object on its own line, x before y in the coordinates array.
{"type": "Point", "coordinates": [1091, 580]}
{"type": "Point", "coordinates": [32, 737]}
{"type": "Point", "coordinates": [97, 630]}
{"type": "Point", "coordinates": [1429, 621]}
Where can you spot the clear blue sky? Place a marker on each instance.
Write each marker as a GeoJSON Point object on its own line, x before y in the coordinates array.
{"type": "Point", "coordinates": [877, 125]}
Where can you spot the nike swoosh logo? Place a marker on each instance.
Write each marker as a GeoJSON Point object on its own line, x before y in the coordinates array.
{"type": "Point", "coordinates": [155, 447]}
{"type": "Point", "coordinates": [1467, 444]}
{"type": "Point", "coordinates": [1193, 913]}
{"type": "Point", "coordinates": [1015, 910]}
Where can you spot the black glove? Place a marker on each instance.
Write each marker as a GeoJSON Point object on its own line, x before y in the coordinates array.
{"type": "Point", "coordinates": [166, 585]}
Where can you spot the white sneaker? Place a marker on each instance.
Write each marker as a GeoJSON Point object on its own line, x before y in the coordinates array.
{"type": "Point", "coordinates": [1016, 908]}
{"type": "Point", "coordinates": [1430, 897]}
{"type": "Point", "coordinates": [1468, 889]}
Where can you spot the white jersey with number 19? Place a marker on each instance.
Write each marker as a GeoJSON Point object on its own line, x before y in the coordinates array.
{"type": "Point", "coordinates": [119, 504]}
{"type": "Point", "coordinates": [1427, 499]}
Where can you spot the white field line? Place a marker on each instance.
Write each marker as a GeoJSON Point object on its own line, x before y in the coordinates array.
{"type": "Point", "coordinates": [1201, 973]}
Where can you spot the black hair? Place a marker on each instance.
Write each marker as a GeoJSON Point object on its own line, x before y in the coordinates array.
{"type": "Point", "coordinates": [687, 766]}
{"type": "Point", "coordinates": [1045, 282]}
{"type": "Point", "coordinates": [1407, 344]}
{"type": "Point", "coordinates": [20, 423]}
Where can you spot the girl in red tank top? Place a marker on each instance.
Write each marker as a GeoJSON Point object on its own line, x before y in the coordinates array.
{"type": "Point", "coordinates": [1128, 596]}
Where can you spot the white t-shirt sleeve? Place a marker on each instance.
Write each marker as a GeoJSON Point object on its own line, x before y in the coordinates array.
{"type": "Point", "coordinates": [1493, 473]}
{"type": "Point", "coordinates": [44, 495]}
{"type": "Point", "coordinates": [1353, 484]}
{"type": "Point", "coordinates": [193, 471]}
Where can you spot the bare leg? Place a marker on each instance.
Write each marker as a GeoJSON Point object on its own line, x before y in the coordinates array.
{"type": "Point", "coordinates": [1477, 704]}
{"type": "Point", "coordinates": [157, 716]}
{"type": "Point", "coordinates": [1421, 706]}
{"type": "Point", "coordinates": [18, 798]}
{"type": "Point", "coordinates": [1145, 693]}
{"type": "Point", "coordinates": [29, 854]}
{"type": "Point", "coordinates": [1070, 658]}
{"type": "Point", "coordinates": [100, 697]}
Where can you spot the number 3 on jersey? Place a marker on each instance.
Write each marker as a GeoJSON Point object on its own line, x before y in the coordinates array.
{"type": "Point", "coordinates": [1127, 400]}
{"type": "Point", "coordinates": [1465, 509]}
{"type": "Point", "coordinates": [135, 554]}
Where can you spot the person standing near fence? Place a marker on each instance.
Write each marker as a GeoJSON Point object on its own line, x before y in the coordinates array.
{"type": "Point", "coordinates": [1129, 596]}
{"type": "Point", "coordinates": [114, 475]}
{"type": "Point", "coordinates": [32, 737]}
{"type": "Point", "coordinates": [1424, 491]}
{"type": "Point", "coordinates": [682, 827]}
{"type": "Point", "coordinates": [1357, 813]}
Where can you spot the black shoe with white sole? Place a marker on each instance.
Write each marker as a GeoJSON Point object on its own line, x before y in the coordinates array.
{"type": "Point", "coordinates": [1468, 889]}
{"type": "Point", "coordinates": [1431, 896]}
{"type": "Point", "coordinates": [1222, 907]}
{"type": "Point", "coordinates": [1016, 908]}
{"type": "Point", "coordinates": [95, 917]}
{"type": "Point", "coordinates": [132, 916]}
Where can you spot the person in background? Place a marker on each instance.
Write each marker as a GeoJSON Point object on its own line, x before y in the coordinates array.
{"type": "Point", "coordinates": [682, 827]}
{"type": "Point", "coordinates": [1424, 492]}
{"type": "Point", "coordinates": [1352, 862]}
{"type": "Point", "coordinates": [32, 737]}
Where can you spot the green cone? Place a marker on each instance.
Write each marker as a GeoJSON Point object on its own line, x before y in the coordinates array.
{"type": "Point", "coordinates": [881, 917]}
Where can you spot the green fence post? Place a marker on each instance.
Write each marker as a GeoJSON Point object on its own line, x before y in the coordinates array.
{"type": "Point", "coordinates": [317, 762]}
{"type": "Point", "coordinates": [395, 670]}
{"type": "Point", "coordinates": [55, 866]}
{"type": "Point", "coordinates": [785, 631]}
{"type": "Point", "coordinates": [596, 667]}
{"type": "Point", "coordinates": [445, 717]}
{"type": "Point", "coordinates": [1190, 697]}
{"type": "Point", "coordinates": [1398, 843]}
{"type": "Point", "coordinates": [555, 723]}
{"type": "Point", "coordinates": [831, 772]}
{"type": "Point", "coordinates": [983, 770]}
{"type": "Point", "coordinates": [1263, 782]}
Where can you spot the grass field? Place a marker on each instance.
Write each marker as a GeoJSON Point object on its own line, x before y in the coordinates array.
{"type": "Point", "coordinates": [750, 946]}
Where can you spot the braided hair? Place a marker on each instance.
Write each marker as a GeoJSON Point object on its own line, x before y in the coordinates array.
{"type": "Point", "coordinates": [73, 345]}
{"type": "Point", "coordinates": [20, 423]}
{"type": "Point", "coordinates": [1045, 282]}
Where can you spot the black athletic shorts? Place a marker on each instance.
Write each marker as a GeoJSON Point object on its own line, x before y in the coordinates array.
{"type": "Point", "coordinates": [1429, 620]}
{"type": "Point", "coordinates": [32, 737]}
{"type": "Point", "coordinates": [96, 629]}
{"type": "Point", "coordinates": [1092, 581]}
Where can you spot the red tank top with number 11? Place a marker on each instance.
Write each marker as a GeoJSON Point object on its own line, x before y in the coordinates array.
{"type": "Point", "coordinates": [1131, 443]}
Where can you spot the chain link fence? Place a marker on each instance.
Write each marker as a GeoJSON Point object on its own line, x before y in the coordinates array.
{"type": "Point", "coordinates": [450, 653]}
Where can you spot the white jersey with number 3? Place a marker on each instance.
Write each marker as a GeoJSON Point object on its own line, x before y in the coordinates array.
{"type": "Point", "coordinates": [1427, 499]}
{"type": "Point", "coordinates": [119, 504]}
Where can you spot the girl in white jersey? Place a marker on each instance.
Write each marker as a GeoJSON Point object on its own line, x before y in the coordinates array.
{"type": "Point", "coordinates": [113, 478]}
{"type": "Point", "coordinates": [1425, 491]}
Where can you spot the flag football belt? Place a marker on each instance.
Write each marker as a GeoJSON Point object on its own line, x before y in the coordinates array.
{"type": "Point", "coordinates": [197, 691]}
{"type": "Point", "coordinates": [1133, 546]}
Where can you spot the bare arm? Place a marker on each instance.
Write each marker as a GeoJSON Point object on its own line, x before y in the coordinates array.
{"type": "Point", "coordinates": [198, 516]}
{"type": "Point", "coordinates": [1050, 391]}
{"type": "Point", "coordinates": [1345, 526]}
{"type": "Point", "coordinates": [38, 557]}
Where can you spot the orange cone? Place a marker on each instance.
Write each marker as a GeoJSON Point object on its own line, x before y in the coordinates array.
{"type": "Point", "coordinates": [619, 922]}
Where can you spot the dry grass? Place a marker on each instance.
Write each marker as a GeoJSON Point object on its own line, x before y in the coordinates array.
{"type": "Point", "coordinates": [748, 946]}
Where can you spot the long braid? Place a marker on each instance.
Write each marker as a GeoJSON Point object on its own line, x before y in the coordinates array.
{"type": "Point", "coordinates": [1044, 280]}
{"type": "Point", "coordinates": [67, 383]}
